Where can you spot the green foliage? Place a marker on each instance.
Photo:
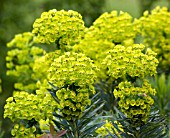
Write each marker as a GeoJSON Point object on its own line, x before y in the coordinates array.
{"type": "Point", "coordinates": [156, 32]}
{"type": "Point", "coordinates": [0, 86]}
{"type": "Point", "coordinates": [162, 99]}
{"type": "Point", "coordinates": [86, 125]}
{"type": "Point", "coordinates": [1, 131]}
{"type": "Point", "coordinates": [157, 126]}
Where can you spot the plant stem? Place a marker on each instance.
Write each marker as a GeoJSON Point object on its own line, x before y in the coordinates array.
{"type": "Point", "coordinates": [137, 135]}
{"type": "Point", "coordinates": [75, 132]}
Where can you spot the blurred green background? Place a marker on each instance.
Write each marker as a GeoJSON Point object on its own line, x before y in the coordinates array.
{"type": "Point", "coordinates": [17, 16]}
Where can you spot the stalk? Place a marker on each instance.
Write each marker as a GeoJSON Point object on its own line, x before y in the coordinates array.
{"type": "Point", "coordinates": [75, 132]}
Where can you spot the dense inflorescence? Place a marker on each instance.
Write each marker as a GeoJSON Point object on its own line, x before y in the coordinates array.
{"type": "Point", "coordinates": [156, 32]}
{"type": "Point", "coordinates": [105, 50]}
{"type": "Point", "coordinates": [20, 59]}
{"type": "Point", "coordinates": [107, 128]}
{"type": "Point", "coordinates": [131, 61]}
{"type": "Point", "coordinates": [129, 64]}
{"type": "Point", "coordinates": [107, 31]}
{"type": "Point", "coordinates": [38, 107]}
{"type": "Point", "coordinates": [20, 130]}
{"type": "Point", "coordinates": [135, 102]}
{"type": "Point", "coordinates": [34, 107]}
{"type": "Point", "coordinates": [41, 66]}
{"type": "Point", "coordinates": [64, 28]}
{"type": "Point", "coordinates": [74, 74]}
{"type": "Point", "coordinates": [115, 27]}
{"type": "Point", "coordinates": [96, 50]}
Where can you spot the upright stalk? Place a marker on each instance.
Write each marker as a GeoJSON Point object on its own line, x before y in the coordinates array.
{"type": "Point", "coordinates": [75, 131]}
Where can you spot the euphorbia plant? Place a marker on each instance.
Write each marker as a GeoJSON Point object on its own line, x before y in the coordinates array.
{"type": "Point", "coordinates": [156, 34]}
{"type": "Point", "coordinates": [64, 79]}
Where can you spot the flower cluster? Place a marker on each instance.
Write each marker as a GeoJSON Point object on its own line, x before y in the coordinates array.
{"type": "Point", "coordinates": [61, 27]}
{"type": "Point", "coordinates": [156, 33]}
{"type": "Point", "coordinates": [33, 106]}
{"type": "Point", "coordinates": [20, 130]}
{"type": "Point", "coordinates": [96, 50]}
{"type": "Point", "coordinates": [41, 65]}
{"type": "Point", "coordinates": [131, 61]}
{"type": "Point", "coordinates": [114, 27]}
{"type": "Point", "coordinates": [108, 126]}
{"type": "Point", "coordinates": [20, 59]}
{"type": "Point", "coordinates": [74, 75]}
{"type": "Point", "coordinates": [106, 47]}
{"type": "Point", "coordinates": [129, 64]}
{"type": "Point", "coordinates": [135, 102]}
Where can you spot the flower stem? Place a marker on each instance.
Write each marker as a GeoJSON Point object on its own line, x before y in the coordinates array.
{"type": "Point", "coordinates": [75, 132]}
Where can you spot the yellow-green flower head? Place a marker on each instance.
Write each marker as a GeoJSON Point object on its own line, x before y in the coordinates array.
{"type": "Point", "coordinates": [62, 27]}
{"type": "Point", "coordinates": [20, 59]}
{"type": "Point", "coordinates": [134, 101]}
{"type": "Point", "coordinates": [74, 74]}
{"type": "Point", "coordinates": [114, 27]}
{"type": "Point", "coordinates": [29, 106]}
{"type": "Point", "coordinates": [130, 61]}
{"type": "Point", "coordinates": [108, 126]}
{"type": "Point", "coordinates": [41, 65]}
{"type": "Point", "coordinates": [72, 68]}
{"type": "Point", "coordinates": [156, 32]}
{"type": "Point", "coordinates": [96, 50]}
{"type": "Point", "coordinates": [20, 131]}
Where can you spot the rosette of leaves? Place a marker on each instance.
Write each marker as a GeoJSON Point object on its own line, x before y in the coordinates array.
{"type": "Point", "coordinates": [115, 27]}
{"type": "Point", "coordinates": [64, 28]}
{"type": "Point", "coordinates": [20, 59]}
{"type": "Point", "coordinates": [135, 102]}
{"type": "Point", "coordinates": [73, 75]}
{"type": "Point", "coordinates": [156, 33]}
{"type": "Point", "coordinates": [155, 127]}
